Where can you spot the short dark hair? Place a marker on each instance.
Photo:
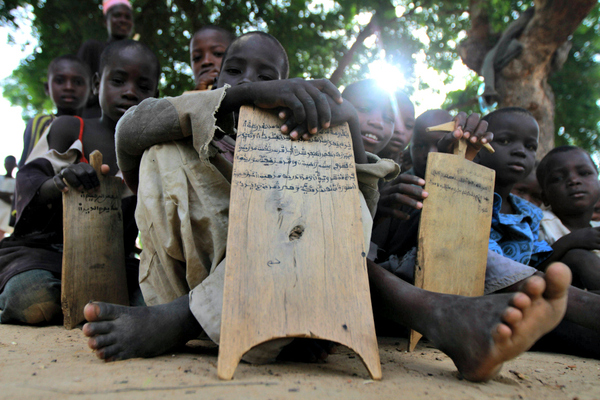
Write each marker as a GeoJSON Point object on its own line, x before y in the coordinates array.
{"type": "Point", "coordinates": [115, 47]}
{"type": "Point", "coordinates": [227, 34]}
{"type": "Point", "coordinates": [542, 169]}
{"type": "Point", "coordinates": [72, 59]}
{"type": "Point", "coordinates": [506, 110]}
{"type": "Point", "coordinates": [356, 87]}
{"type": "Point", "coordinates": [286, 63]}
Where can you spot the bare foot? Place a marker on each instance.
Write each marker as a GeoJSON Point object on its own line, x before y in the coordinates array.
{"type": "Point", "coordinates": [480, 334]}
{"type": "Point", "coordinates": [119, 332]}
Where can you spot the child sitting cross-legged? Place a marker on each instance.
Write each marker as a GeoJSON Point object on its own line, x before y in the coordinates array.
{"type": "Point", "coordinates": [31, 259]}
{"type": "Point", "coordinates": [184, 187]}
{"type": "Point", "coordinates": [569, 181]}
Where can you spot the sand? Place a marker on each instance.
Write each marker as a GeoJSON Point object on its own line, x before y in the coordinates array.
{"type": "Point", "coordinates": [54, 363]}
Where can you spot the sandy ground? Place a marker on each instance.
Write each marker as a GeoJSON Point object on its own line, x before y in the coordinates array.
{"type": "Point", "coordinates": [53, 363]}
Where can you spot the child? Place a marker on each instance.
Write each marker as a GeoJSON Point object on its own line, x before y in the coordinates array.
{"type": "Point", "coordinates": [207, 48]}
{"type": "Point", "coordinates": [375, 113]}
{"type": "Point", "coordinates": [515, 222]}
{"type": "Point", "coordinates": [403, 129]}
{"type": "Point", "coordinates": [120, 332]}
{"type": "Point", "coordinates": [569, 180]}
{"type": "Point", "coordinates": [118, 19]}
{"type": "Point", "coordinates": [7, 190]}
{"type": "Point", "coordinates": [529, 188]}
{"type": "Point", "coordinates": [31, 259]}
{"type": "Point", "coordinates": [69, 86]}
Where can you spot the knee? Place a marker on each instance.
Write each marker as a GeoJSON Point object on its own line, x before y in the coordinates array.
{"type": "Point", "coordinates": [575, 258]}
{"type": "Point", "coordinates": [36, 303]}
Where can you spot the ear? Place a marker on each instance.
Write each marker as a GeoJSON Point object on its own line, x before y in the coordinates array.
{"type": "Point", "coordinates": [96, 84]}
{"type": "Point", "coordinates": [46, 89]}
{"type": "Point", "coordinates": [544, 199]}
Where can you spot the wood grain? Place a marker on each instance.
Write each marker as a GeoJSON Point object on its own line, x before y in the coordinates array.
{"type": "Point", "coordinates": [296, 258]}
{"type": "Point", "coordinates": [93, 254]}
{"type": "Point", "coordinates": [455, 227]}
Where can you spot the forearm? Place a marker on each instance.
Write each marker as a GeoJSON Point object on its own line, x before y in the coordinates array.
{"type": "Point", "coordinates": [47, 194]}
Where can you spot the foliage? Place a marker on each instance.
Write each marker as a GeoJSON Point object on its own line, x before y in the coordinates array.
{"type": "Point", "coordinates": [316, 37]}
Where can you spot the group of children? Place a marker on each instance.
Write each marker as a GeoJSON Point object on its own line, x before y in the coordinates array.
{"type": "Point", "coordinates": [175, 155]}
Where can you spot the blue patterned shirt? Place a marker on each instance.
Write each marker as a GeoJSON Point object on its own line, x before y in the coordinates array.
{"type": "Point", "coordinates": [516, 235]}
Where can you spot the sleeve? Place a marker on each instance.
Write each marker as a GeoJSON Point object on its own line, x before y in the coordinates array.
{"type": "Point", "coordinates": [26, 143]}
{"type": "Point", "coordinates": [541, 249]}
{"type": "Point", "coordinates": [156, 121]}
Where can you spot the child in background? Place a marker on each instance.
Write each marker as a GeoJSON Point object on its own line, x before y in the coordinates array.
{"type": "Point", "coordinates": [118, 19]}
{"type": "Point", "coordinates": [515, 222]}
{"type": "Point", "coordinates": [529, 188]}
{"type": "Point", "coordinates": [403, 129]}
{"type": "Point", "coordinates": [207, 48]}
{"type": "Point", "coordinates": [569, 180]}
{"type": "Point", "coordinates": [31, 259]}
{"type": "Point", "coordinates": [7, 191]}
{"type": "Point", "coordinates": [376, 114]}
{"type": "Point", "coordinates": [69, 86]}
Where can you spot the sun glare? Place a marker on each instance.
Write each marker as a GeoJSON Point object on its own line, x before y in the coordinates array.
{"type": "Point", "coordinates": [388, 76]}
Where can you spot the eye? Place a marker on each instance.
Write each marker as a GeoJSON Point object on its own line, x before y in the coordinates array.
{"type": "Point", "coordinates": [218, 54]}
{"type": "Point", "coordinates": [117, 81]}
{"type": "Point", "coordinates": [502, 141]}
{"type": "Point", "coordinates": [265, 78]}
{"type": "Point", "coordinates": [532, 147]}
{"type": "Point", "coordinates": [233, 71]}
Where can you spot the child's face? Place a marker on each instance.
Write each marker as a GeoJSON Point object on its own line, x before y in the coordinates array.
{"type": "Point", "coordinates": [571, 185]}
{"type": "Point", "coordinates": [529, 189]}
{"type": "Point", "coordinates": [376, 118]}
{"type": "Point", "coordinates": [127, 79]}
{"type": "Point", "coordinates": [206, 53]}
{"type": "Point", "coordinates": [119, 22]}
{"type": "Point", "coordinates": [252, 58]}
{"type": "Point", "coordinates": [404, 124]}
{"type": "Point", "coordinates": [515, 142]}
{"type": "Point", "coordinates": [68, 86]}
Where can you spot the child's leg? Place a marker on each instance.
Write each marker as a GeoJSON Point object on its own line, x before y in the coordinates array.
{"type": "Point", "coordinates": [585, 266]}
{"type": "Point", "coordinates": [479, 333]}
{"type": "Point", "coordinates": [31, 297]}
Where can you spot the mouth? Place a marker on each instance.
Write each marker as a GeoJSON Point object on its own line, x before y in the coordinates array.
{"type": "Point", "coordinates": [212, 72]}
{"type": "Point", "coordinates": [69, 99]}
{"type": "Point", "coordinates": [517, 167]}
{"type": "Point", "coordinates": [578, 194]}
{"type": "Point", "coordinates": [124, 107]}
{"type": "Point", "coordinates": [369, 137]}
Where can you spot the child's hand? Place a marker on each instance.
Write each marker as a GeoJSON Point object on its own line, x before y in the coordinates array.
{"type": "Point", "coordinates": [405, 190]}
{"type": "Point", "coordinates": [307, 101]}
{"type": "Point", "coordinates": [586, 238]}
{"type": "Point", "coordinates": [470, 128]}
{"type": "Point", "coordinates": [81, 176]}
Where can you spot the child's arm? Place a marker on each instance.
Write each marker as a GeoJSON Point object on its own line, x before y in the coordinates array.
{"type": "Point", "coordinates": [586, 239]}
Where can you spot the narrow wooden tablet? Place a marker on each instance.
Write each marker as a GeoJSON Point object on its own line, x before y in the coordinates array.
{"type": "Point", "coordinates": [455, 226]}
{"type": "Point", "coordinates": [449, 127]}
{"type": "Point", "coordinates": [93, 255]}
{"type": "Point", "coordinates": [296, 257]}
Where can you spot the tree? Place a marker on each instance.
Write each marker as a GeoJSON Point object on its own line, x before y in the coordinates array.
{"type": "Point", "coordinates": [328, 42]}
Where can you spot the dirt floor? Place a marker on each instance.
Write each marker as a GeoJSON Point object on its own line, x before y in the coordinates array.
{"type": "Point", "coordinates": [53, 363]}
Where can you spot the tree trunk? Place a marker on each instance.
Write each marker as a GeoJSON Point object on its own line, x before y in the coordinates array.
{"type": "Point", "coordinates": [524, 81]}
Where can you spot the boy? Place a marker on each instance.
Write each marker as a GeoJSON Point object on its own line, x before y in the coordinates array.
{"type": "Point", "coordinates": [515, 222]}
{"type": "Point", "coordinates": [31, 259]}
{"type": "Point", "coordinates": [569, 180]}
{"type": "Point", "coordinates": [529, 189]}
{"type": "Point", "coordinates": [375, 113]}
{"type": "Point", "coordinates": [511, 323]}
{"type": "Point", "coordinates": [403, 129]}
{"type": "Point", "coordinates": [207, 48]}
{"type": "Point", "coordinates": [69, 86]}
{"type": "Point", "coordinates": [118, 19]}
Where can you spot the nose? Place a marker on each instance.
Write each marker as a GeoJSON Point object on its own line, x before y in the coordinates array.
{"type": "Point", "coordinates": [207, 60]}
{"type": "Point", "coordinates": [68, 85]}
{"type": "Point", "coordinates": [130, 92]}
{"type": "Point", "coordinates": [375, 120]}
{"type": "Point", "coordinates": [573, 179]}
{"type": "Point", "coordinates": [518, 150]}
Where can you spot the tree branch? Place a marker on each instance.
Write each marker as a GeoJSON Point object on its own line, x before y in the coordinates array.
{"type": "Point", "coordinates": [367, 31]}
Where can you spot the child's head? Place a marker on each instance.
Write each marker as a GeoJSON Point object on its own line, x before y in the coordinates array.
{"type": "Point", "coordinates": [69, 84]}
{"type": "Point", "coordinates": [118, 18]}
{"type": "Point", "coordinates": [404, 124]}
{"type": "Point", "coordinates": [529, 189]}
{"type": "Point", "coordinates": [129, 73]}
{"type": "Point", "coordinates": [374, 106]}
{"type": "Point", "coordinates": [253, 57]}
{"type": "Point", "coordinates": [207, 48]}
{"type": "Point", "coordinates": [424, 142]}
{"type": "Point", "coordinates": [569, 181]}
{"type": "Point", "coordinates": [515, 141]}
{"type": "Point", "coordinates": [10, 163]}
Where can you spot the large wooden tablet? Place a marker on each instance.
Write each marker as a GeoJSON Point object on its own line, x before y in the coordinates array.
{"type": "Point", "coordinates": [455, 226]}
{"type": "Point", "coordinates": [93, 255]}
{"type": "Point", "coordinates": [296, 257]}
